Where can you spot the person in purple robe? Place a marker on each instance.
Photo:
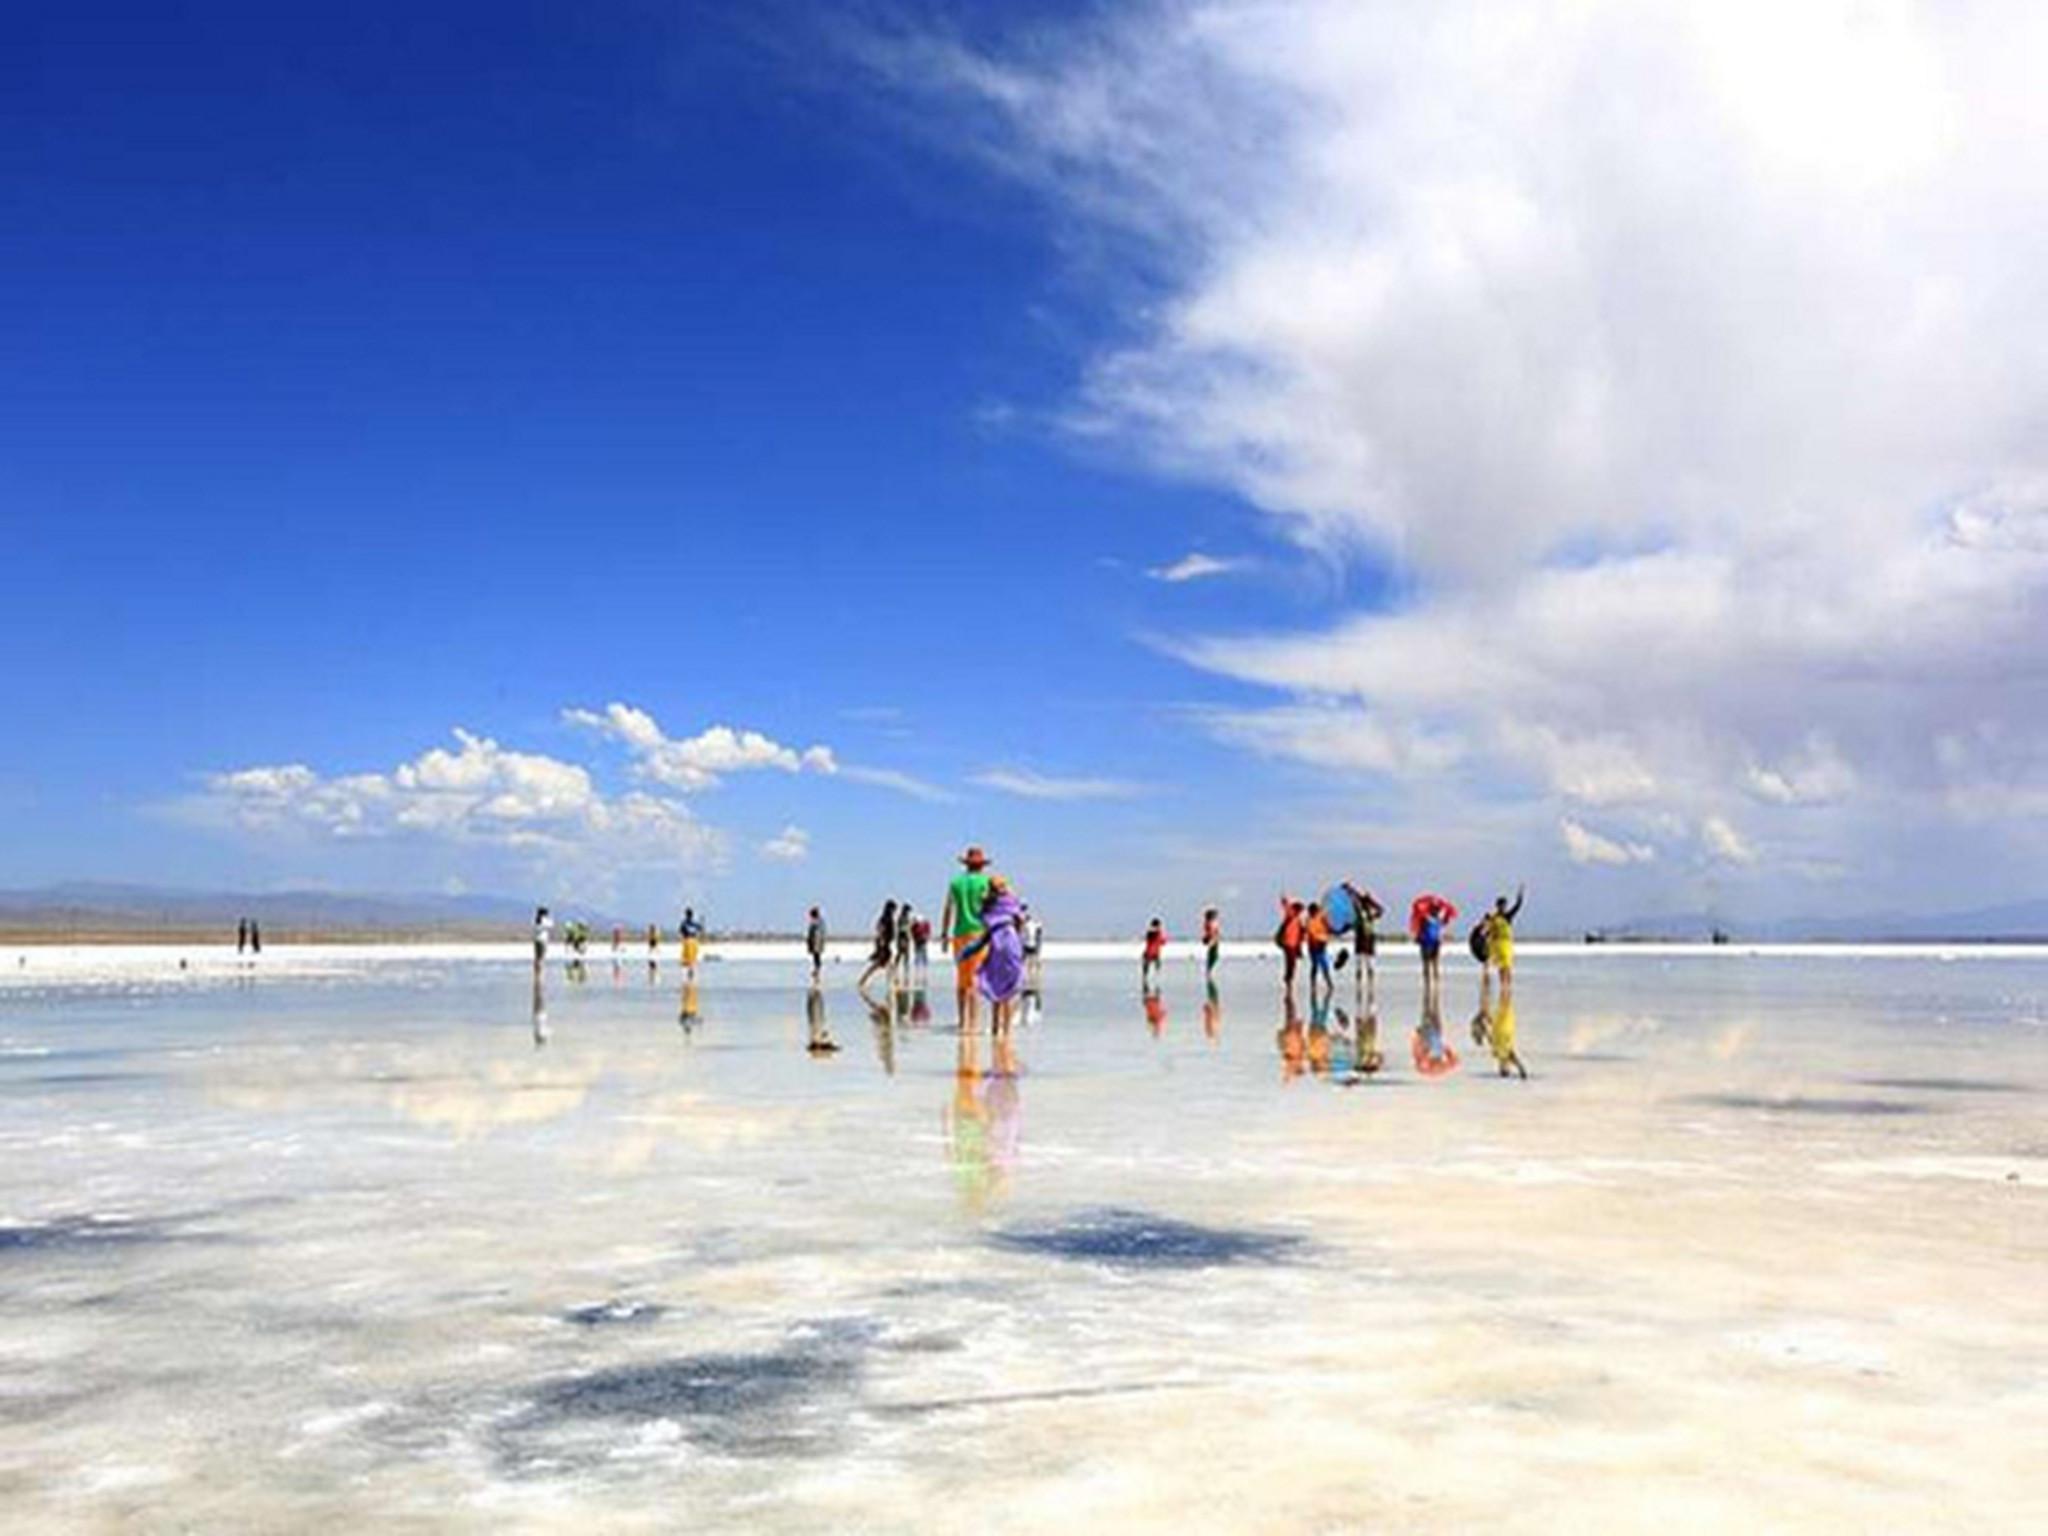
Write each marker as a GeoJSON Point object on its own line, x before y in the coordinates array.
{"type": "Point", "coordinates": [1001, 977]}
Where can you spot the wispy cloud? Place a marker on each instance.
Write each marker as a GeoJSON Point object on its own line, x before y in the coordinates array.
{"type": "Point", "coordinates": [1418, 302]}
{"type": "Point", "coordinates": [1193, 567]}
{"type": "Point", "coordinates": [1039, 786]}
{"type": "Point", "coordinates": [792, 845]}
{"type": "Point", "coordinates": [902, 783]}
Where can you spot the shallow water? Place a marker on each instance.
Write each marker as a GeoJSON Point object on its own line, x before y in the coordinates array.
{"type": "Point", "coordinates": [1758, 1246]}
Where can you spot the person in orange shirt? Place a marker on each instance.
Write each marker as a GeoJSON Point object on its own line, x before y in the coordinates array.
{"type": "Point", "coordinates": [1289, 936]}
{"type": "Point", "coordinates": [1315, 930]}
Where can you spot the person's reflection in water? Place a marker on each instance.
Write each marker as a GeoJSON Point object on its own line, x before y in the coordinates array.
{"type": "Point", "coordinates": [540, 1009]}
{"type": "Point", "coordinates": [686, 1011]}
{"type": "Point", "coordinates": [820, 1042]}
{"type": "Point", "coordinates": [1496, 1031]}
{"type": "Point", "coordinates": [1034, 1007]}
{"type": "Point", "coordinates": [1005, 1111]}
{"type": "Point", "coordinates": [920, 1008]}
{"type": "Point", "coordinates": [1434, 1055]}
{"type": "Point", "coordinates": [1155, 1014]}
{"type": "Point", "coordinates": [966, 1124]}
{"type": "Point", "coordinates": [1366, 1058]}
{"type": "Point", "coordinates": [1292, 1039]}
{"type": "Point", "coordinates": [1316, 1048]}
{"type": "Point", "coordinates": [883, 1017]}
{"type": "Point", "coordinates": [1212, 1014]}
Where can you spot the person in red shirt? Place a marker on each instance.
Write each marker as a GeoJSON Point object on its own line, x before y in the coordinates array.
{"type": "Point", "coordinates": [1155, 950]}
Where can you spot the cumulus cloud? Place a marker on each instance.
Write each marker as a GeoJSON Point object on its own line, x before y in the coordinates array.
{"type": "Point", "coordinates": [792, 845]}
{"type": "Point", "coordinates": [1582, 845]}
{"type": "Point", "coordinates": [696, 762]}
{"type": "Point", "coordinates": [1040, 786]}
{"type": "Point", "coordinates": [479, 794]}
{"type": "Point", "coordinates": [1724, 842]}
{"type": "Point", "coordinates": [1193, 567]}
{"type": "Point", "coordinates": [1676, 359]}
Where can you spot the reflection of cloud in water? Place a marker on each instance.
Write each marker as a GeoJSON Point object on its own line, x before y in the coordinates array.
{"type": "Point", "coordinates": [699, 1123]}
{"type": "Point", "coordinates": [1591, 1030]}
{"type": "Point", "coordinates": [1732, 1041]}
{"type": "Point", "coordinates": [1795, 1104]}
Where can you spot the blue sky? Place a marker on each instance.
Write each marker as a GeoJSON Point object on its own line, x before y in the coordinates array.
{"type": "Point", "coordinates": [852, 378]}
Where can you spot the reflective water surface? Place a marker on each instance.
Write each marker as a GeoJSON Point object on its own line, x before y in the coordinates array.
{"type": "Point", "coordinates": [1758, 1245]}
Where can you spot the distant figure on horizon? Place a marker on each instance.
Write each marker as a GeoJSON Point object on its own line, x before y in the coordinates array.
{"type": "Point", "coordinates": [1034, 950]}
{"type": "Point", "coordinates": [884, 951]}
{"type": "Point", "coordinates": [1212, 943]}
{"type": "Point", "coordinates": [1154, 953]}
{"type": "Point", "coordinates": [920, 946]}
{"type": "Point", "coordinates": [960, 918]}
{"type": "Point", "coordinates": [653, 950]}
{"type": "Point", "coordinates": [242, 936]}
{"type": "Point", "coordinates": [543, 932]}
{"type": "Point", "coordinates": [691, 931]}
{"type": "Point", "coordinates": [814, 944]}
{"type": "Point", "coordinates": [255, 937]}
{"type": "Point", "coordinates": [900, 971]}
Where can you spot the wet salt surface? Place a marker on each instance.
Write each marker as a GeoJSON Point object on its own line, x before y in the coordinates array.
{"type": "Point", "coordinates": [1758, 1247]}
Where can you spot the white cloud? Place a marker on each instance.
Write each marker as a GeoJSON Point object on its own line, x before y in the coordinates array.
{"type": "Point", "coordinates": [1039, 786]}
{"type": "Point", "coordinates": [1675, 359]}
{"type": "Point", "coordinates": [697, 762]}
{"type": "Point", "coordinates": [1723, 842]}
{"type": "Point", "coordinates": [480, 795]}
{"type": "Point", "coordinates": [1193, 567]}
{"type": "Point", "coordinates": [1582, 845]}
{"type": "Point", "coordinates": [792, 845]}
{"type": "Point", "coordinates": [902, 783]}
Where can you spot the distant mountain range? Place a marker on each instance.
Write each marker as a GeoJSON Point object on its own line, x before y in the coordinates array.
{"type": "Point", "coordinates": [97, 909]}
{"type": "Point", "coordinates": [2008, 923]}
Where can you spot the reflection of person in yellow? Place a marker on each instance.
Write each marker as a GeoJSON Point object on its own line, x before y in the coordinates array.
{"type": "Point", "coordinates": [686, 1014]}
{"type": "Point", "coordinates": [1496, 1031]}
{"type": "Point", "coordinates": [1212, 1014]}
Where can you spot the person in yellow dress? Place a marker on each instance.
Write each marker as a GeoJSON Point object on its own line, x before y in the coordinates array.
{"type": "Point", "coordinates": [1500, 941]}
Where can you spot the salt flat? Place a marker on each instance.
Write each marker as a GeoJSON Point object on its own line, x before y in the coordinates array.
{"type": "Point", "coordinates": [353, 1239]}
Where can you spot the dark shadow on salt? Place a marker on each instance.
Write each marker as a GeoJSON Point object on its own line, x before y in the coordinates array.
{"type": "Point", "coordinates": [788, 1402]}
{"type": "Point", "coordinates": [1873, 1108]}
{"type": "Point", "coordinates": [1942, 1085]}
{"type": "Point", "coordinates": [1122, 1238]}
{"type": "Point", "coordinates": [71, 1234]}
{"type": "Point", "coordinates": [609, 1314]}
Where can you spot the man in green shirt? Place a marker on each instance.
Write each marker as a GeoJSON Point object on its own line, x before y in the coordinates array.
{"type": "Point", "coordinates": [960, 920]}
